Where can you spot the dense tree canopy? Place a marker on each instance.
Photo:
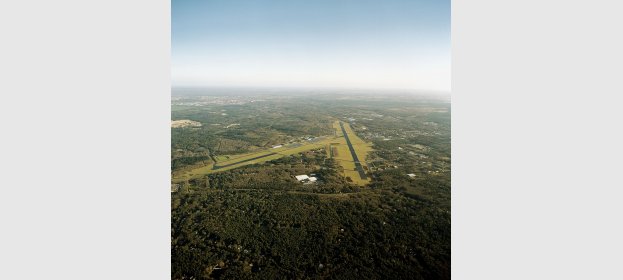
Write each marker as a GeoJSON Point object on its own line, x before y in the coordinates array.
{"type": "Point", "coordinates": [259, 222]}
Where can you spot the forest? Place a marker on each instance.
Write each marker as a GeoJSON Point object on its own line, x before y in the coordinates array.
{"type": "Point", "coordinates": [259, 222]}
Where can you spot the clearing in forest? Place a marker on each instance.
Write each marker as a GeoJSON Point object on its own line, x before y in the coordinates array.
{"type": "Point", "coordinates": [336, 146]}
{"type": "Point", "coordinates": [353, 169]}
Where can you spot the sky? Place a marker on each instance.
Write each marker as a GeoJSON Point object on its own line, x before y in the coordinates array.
{"type": "Point", "coordinates": [382, 44]}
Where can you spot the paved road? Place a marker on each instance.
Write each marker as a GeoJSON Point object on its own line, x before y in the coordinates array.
{"type": "Point", "coordinates": [358, 166]}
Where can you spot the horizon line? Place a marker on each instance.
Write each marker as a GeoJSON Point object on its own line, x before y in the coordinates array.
{"type": "Point", "coordinates": [323, 88]}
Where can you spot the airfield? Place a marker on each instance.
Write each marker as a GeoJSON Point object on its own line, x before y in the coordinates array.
{"type": "Point", "coordinates": [344, 146]}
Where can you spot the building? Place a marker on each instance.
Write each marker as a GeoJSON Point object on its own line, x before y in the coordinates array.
{"type": "Point", "coordinates": [302, 177]}
{"type": "Point", "coordinates": [306, 179]}
{"type": "Point", "coordinates": [411, 175]}
{"type": "Point", "coordinates": [277, 146]}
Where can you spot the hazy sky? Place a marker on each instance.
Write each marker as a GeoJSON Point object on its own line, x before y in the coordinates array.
{"type": "Point", "coordinates": [312, 43]}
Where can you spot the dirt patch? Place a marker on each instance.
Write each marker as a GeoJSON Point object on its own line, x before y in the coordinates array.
{"type": "Point", "coordinates": [185, 123]}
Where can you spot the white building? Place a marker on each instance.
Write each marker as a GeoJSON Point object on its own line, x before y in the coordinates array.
{"type": "Point", "coordinates": [411, 175]}
{"type": "Point", "coordinates": [306, 179]}
{"type": "Point", "coordinates": [302, 177]}
{"type": "Point", "coordinates": [277, 146]}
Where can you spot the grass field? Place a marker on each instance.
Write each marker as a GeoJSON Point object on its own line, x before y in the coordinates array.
{"type": "Point", "coordinates": [344, 157]}
{"type": "Point", "coordinates": [336, 142]}
{"type": "Point", "coordinates": [222, 158]}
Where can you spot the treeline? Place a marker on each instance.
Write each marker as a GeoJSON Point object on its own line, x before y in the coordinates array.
{"type": "Point", "coordinates": [186, 161]}
{"type": "Point", "coordinates": [278, 175]}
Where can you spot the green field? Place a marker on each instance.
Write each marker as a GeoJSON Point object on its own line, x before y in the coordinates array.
{"type": "Point", "coordinates": [344, 158]}
{"type": "Point", "coordinates": [235, 161]}
{"type": "Point", "coordinates": [222, 158]}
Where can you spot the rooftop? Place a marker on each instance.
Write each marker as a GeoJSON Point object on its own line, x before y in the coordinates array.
{"type": "Point", "coordinates": [301, 177]}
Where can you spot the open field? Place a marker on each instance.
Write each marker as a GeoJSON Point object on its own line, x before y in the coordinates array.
{"type": "Point", "coordinates": [341, 154]}
{"type": "Point", "coordinates": [222, 158]}
{"type": "Point", "coordinates": [184, 123]}
{"type": "Point", "coordinates": [344, 156]}
{"type": "Point", "coordinates": [228, 162]}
